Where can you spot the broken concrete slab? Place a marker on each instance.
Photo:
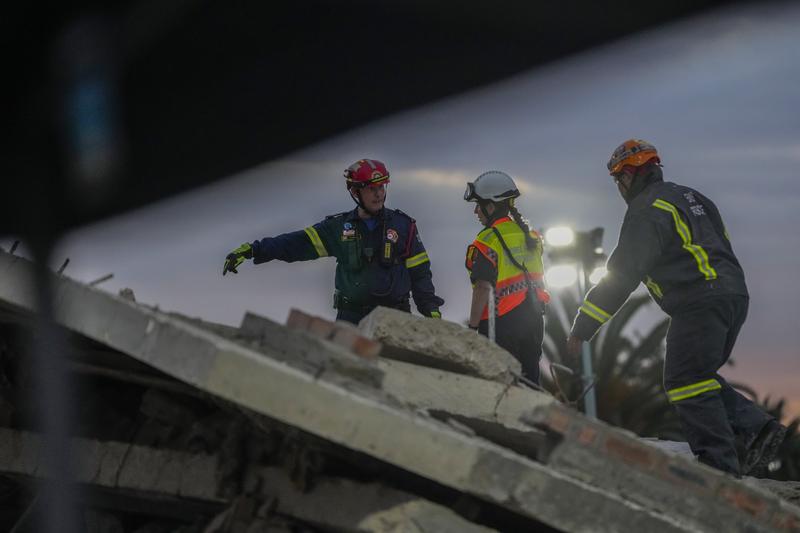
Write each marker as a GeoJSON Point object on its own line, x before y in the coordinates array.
{"type": "Point", "coordinates": [336, 407]}
{"type": "Point", "coordinates": [490, 409]}
{"type": "Point", "coordinates": [438, 344]}
{"type": "Point", "coordinates": [788, 490]}
{"type": "Point", "coordinates": [341, 333]}
{"type": "Point", "coordinates": [344, 505]}
{"type": "Point", "coordinates": [618, 461]}
{"type": "Point", "coordinates": [418, 516]}
{"type": "Point", "coordinates": [147, 471]}
{"type": "Point", "coordinates": [306, 351]}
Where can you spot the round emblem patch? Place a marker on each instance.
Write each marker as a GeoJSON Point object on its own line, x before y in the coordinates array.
{"type": "Point", "coordinates": [392, 235]}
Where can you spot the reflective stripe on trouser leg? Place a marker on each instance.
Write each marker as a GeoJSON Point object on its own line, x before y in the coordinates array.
{"type": "Point", "coordinates": [682, 393]}
{"type": "Point", "coordinates": [708, 431]}
{"type": "Point", "coordinates": [697, 346]}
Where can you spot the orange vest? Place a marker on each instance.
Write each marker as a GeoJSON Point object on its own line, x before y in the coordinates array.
{"type": "Point", "coordinates": [511, 287]}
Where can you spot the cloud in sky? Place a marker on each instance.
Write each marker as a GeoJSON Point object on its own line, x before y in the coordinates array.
{"type": "Point", "coordinates": [716, 94]}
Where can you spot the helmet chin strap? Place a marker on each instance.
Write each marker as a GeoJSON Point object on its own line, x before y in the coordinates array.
{"type": "Point", "coordinates": [360, 203]}
{"type": "Point", "coordinates": [626, 191]}
{"type": "Point", "coordinates": [644, 176]}
{"type": "Point", "coordinates": [499, 211]}
{"type": "Point", "coordinates": [485, 214]}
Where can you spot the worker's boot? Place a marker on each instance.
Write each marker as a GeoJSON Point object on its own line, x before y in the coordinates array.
{"type": "Point", "coordinates": [763, 449]}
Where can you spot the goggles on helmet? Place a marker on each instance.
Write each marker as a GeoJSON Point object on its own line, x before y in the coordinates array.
{"type": "Point", "coordinates": [469, 194]}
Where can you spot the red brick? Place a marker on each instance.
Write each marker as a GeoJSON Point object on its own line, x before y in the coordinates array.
{"type": "Point", "coordinates": [630, 452]}
{"type": "Point", "coordinates": [587, 435]}
{"type": "Point", "coordinates": [558, 419]}
{"type": "Point", "coordinates": [784, 521]}
{"type": "Point", "coordinates": [321, 327]}
{"type": "Point", "coordinates": [747, 501]}
{"type": "Point", "coordinates": [367, 347]}
{"type": "Point", "coordinates": [298, 320]}
{"type": "Point", "coordinates": [348, 338]}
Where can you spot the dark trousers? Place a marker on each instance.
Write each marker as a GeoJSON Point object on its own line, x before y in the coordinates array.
{"type": "Point", "coordinates": [520, 332]}
{"type": "Point", "coordinates": [713, 413]}
{"type": "Point", "coordinates": [355, 314]}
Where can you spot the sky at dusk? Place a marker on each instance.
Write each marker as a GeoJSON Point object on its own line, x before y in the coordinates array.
{"type": "Point", "coordinates": [718, 95]}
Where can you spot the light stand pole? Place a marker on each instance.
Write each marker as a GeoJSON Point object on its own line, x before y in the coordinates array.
{"type": "Point", "coordinates": [584, 249]}
{"type": "Point", "coordinates": [589, 400]}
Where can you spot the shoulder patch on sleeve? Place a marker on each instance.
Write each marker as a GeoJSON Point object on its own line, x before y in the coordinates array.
{"type": "Point", "coordinates": [397, 211]}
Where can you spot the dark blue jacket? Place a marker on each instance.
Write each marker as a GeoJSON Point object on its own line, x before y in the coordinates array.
{"type": "Point", "coordinates": [378, 266]}
{"type": "Point", "coordinates": [674, 241]}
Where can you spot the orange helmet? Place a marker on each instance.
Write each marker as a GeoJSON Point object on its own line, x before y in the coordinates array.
{"type": "Point", "coordinates": [633, 152]}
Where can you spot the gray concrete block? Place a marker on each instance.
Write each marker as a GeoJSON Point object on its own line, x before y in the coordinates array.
{"type": "Point", "coordinates": [438, 344]}
{"type": "Point", "coordinates": [345, 505]}
{"type": "Point", "coordinates": [428, 388]}
{"type": "Point", "coordinates": [486, 407]}
{"type": "Point", "coordinates": [308, 352]}
{"type": "Point", "coordinates": [418, 516]}
{"type": "Point", "coordinates": [788, 490]}
{"type": "Point", "coordinates": [667, 482]}
{"type": "Point", "coordinates": [335, 406]}
{"type": "Point", "coordinates": [340, 333]}
{"type": "Point", "coordinates": [118, 465]}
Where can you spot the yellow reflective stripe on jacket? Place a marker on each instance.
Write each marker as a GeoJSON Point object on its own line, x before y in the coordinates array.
{"type": "Point", "coordinates": [696, 250]}
{"type": "Point", "coordinates": [690, 391]}
{"type": "Point", "coordinates": [417, 260]}
{"type": "Point", "coordinates": [316, 241]}
{"type": "Point", "coordinates": [595, 312]}
{"type": "Point", "coordinates": [654, 287]}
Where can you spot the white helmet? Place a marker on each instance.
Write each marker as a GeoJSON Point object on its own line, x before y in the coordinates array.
{"type": "Point", "coordinates": [493, 185]}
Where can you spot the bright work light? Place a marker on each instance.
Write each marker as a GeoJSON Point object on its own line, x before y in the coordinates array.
{"type": "Point", "coordinates": [561, 276]}
{"type": "Point", "coordinates": [559, 236]}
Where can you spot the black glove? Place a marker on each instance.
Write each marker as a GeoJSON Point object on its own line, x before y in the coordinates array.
{"type": "Point", "coordinates": [237, 257]}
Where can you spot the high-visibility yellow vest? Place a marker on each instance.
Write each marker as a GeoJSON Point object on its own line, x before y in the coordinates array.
{"type": "Point", "coordinates": [511, 286]}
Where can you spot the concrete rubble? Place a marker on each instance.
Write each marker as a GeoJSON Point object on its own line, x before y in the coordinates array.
{"type": "Point", "coordinates": [406, 424]}
{"type": "Point", "coordinates": [438, 344]}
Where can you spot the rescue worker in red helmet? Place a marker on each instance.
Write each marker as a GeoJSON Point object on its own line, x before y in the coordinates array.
{"type": "Point", "coordinates": [380, 258]}
{"type": "Point", "coordinates": [674, 241]}
{"type": "Point", "coordinates": [505, 260]}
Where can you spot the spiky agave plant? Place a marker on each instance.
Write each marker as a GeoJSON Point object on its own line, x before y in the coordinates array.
{"type": "Point", "coordinates": [628, 367]}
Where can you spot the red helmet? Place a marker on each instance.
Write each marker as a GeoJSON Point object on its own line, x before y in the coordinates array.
{"type": "Point", "coordinates": [366, 173]}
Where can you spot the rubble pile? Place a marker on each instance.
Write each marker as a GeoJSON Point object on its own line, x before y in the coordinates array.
{"type": "Point", "coordinates": [402, 424]}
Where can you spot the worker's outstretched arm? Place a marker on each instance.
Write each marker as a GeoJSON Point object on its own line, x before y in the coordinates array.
{"type": "Point", "coordinates": [303, 245]}
{"type": "Point", "coordinates": [638, 249]}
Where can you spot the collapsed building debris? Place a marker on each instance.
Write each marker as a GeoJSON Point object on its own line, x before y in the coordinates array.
{"type": "Point", "coordinates": [309, 428]}
{"type": "Point", "coordinates": [442, 344]}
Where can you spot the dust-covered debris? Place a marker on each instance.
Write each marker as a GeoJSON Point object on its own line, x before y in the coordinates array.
{"type": "Point", "coordinates": [190, 427]}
